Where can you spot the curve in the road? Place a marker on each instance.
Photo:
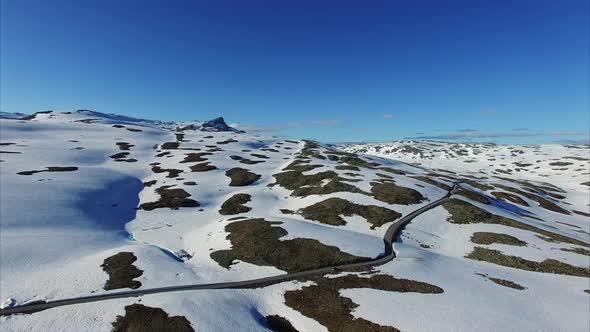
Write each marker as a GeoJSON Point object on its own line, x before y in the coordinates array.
{"type": "Point", "coordinates": [389, 237]}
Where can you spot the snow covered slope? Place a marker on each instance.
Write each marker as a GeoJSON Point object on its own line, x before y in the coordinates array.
{"type": "Point", "coordinates": [94, 203]}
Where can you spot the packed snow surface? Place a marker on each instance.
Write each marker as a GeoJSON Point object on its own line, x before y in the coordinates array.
{"type": "Point", "coordinates": [76, 188]}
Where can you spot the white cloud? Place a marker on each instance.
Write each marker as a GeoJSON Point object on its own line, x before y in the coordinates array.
{"type": "Point", "coordinates": [387, 116]}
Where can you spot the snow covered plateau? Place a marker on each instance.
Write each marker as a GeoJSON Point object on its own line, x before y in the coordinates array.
{"type": "Point", "coordinates": [94, 203]}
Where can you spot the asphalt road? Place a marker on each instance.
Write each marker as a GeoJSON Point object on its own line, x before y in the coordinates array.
{"type": "Point", "coordinates": [389, 237]}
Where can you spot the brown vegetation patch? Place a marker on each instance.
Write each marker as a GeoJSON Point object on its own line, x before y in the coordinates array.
{"type": "Point", "coordinates": [170, 198]}
{"type": "Point", "coordinates": [560, 163]}
{"type": "Point", "coordinates": [241, 177]}
{"type": "Point", "coordinates": [256, 241]}
{"type": "Point", "coordinates": [490, 238]}
{"type": "Point", "coordinates": [323, 302]}
{"type": "Point", "coordinates": [507, 283]}
{"type": "Point", "coordinates": [462, 212]}
{"type": "Point", "coordinates": [546, 266]}
{"type": "Point", "coordinates": [356, 161]}
{"type": "Point", "coordinates": [261, 156]}
{"type": "Point", "coordinates": [202, 167]}
{"type": "Point", "coordinates": [147, 319]}
{"type": "Point", "coordinates": [347, 168]}
{"type": "Point", "coordinates": [504, 196]}
{"type": "Point", "coordinates": [432, 182]}
{"type": "Point", "coordinates": [582, 213]}
{"type": "Point", "coordinates": [121, 271]}
{"type": "Point", "coordinates": [124, 146]}
{"type": "Point", "coordinates": [149, 183]}
{"type": "Point", "coordinates": [231, 140]}
{"type": "Point", "coordinates": [392, 170]}
{"type": "Point", "coordinates": [580, 251]}
{"type": "Point", "coordinates": [503, 282]}
{"type": "Point", "coordinates": [472, 195]}
{"type": "Point", "coordinates": [250, 162]}
{"type": "Point", "coordinates": [120, 155]}
{"type": "Point", "coordinates": [278, 323]}
{"type": "Point", "coordinates": [50, 169]}
{"type": "Point", "coordinates": [195, 157]}
{"type": "Point", "coordinates": [544, 203]}
{"type": "Point", "coordinates": [172, 172]}
{"type": "Point", "coordinates": [393, 194]}
{"type": "Point", "coordinates": [330, 211]}
{"type": "Point", "coordinates": [235, 204]}
{"type": "Point", "coordinates": [170, 146]}
{"type": "Point", "coordinates": [165, 153]}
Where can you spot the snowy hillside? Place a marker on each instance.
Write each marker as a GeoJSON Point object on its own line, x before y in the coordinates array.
{"type": "Point", "coordinates": [95, 203]}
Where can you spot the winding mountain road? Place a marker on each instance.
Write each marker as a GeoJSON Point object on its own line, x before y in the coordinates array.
{"type": "Point", "coordinates": [389, 238]}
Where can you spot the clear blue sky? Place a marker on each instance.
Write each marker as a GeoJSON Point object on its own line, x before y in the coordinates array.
{"type": "Point", "coordinates": [330, 70]}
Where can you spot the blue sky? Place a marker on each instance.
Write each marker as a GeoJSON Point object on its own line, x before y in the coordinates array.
{"type": "Point", "coordinates": [502, 71]}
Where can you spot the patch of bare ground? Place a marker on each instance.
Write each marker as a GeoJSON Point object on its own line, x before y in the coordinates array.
{"type": "Point", "coordinates": [560, 163]}
{"type": "Point", "coordinates": [260, 156]}
{"type": "Point", "coordinates": [124, 146]}
{"type": "Point", "coordinates": [586, 183]}
{"type": "Point", "coordinates": [356, 161]}
{"type": "Point", "coordinates": [50, 169]}
{"type": "Point", "coordinates": [508, 197]}
{"type": "Point", "coordinates": [231, 140]}
{"type": "Point", "coordinates": [462, 212]}
{"type": "Point", "coordinates": [257, 241]}
{"type": "Point", "coordinates": [235, 205]}
{"type": "Point", "coordinates": [120, 157]}
{"type": "Point", "coordinates": [170, 146]}
{"type": "Point", "coordinates": [162, 154]}
{"type": "Point", "coordinates": [432, 182]}
{"type": "Point", "coordinates": [546, 266]}
{"type": "Point", "coordinates": [347, 168]}
{"type": "Point", "coordinates": [323, 302]}
{"type": "Point", "coordinates": [490, 238]}
{"type": "Point", "coordinates": [503, 282]}
{"type": "Point", "coordinates": [250, 162]}
{"type": "Point", "coordinates": [170, 198]}
{"type": "Point", "coordinates": [580, 251]}
{"type": "Point", "coordinates": [180, 137]}
{"type": "Point", "coordinates": [472, 195]}
{"type": "Point", "coordinates": [581, 213]}
{"type": "Point", "coordinates": [278, 323]}
{"type": "Point", "coordinates": [172, 172]}
{"type": "Point", "coordinates": [241, 177]}
{"type": "Point", "coordinates": [134, 130]}
{"type": "Point", "coordinates": [544, 203]}
{"type": "Point", "coordinates": [393, 194]}
{"type": "Point", "coordinates": [190, 183]}
{"type": "Point", "coordinates": [195, 157]}
{"type": "Point", "coordinates": [202, 167]}
{"type": "Point", "coordinates": [147, 319]}
{"type": "Point", "coordinates": [330, 211]}
{"type": "Point", "coordinates": [149, 183]}
{"type": "Point", "coordinates": [121, 271]}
